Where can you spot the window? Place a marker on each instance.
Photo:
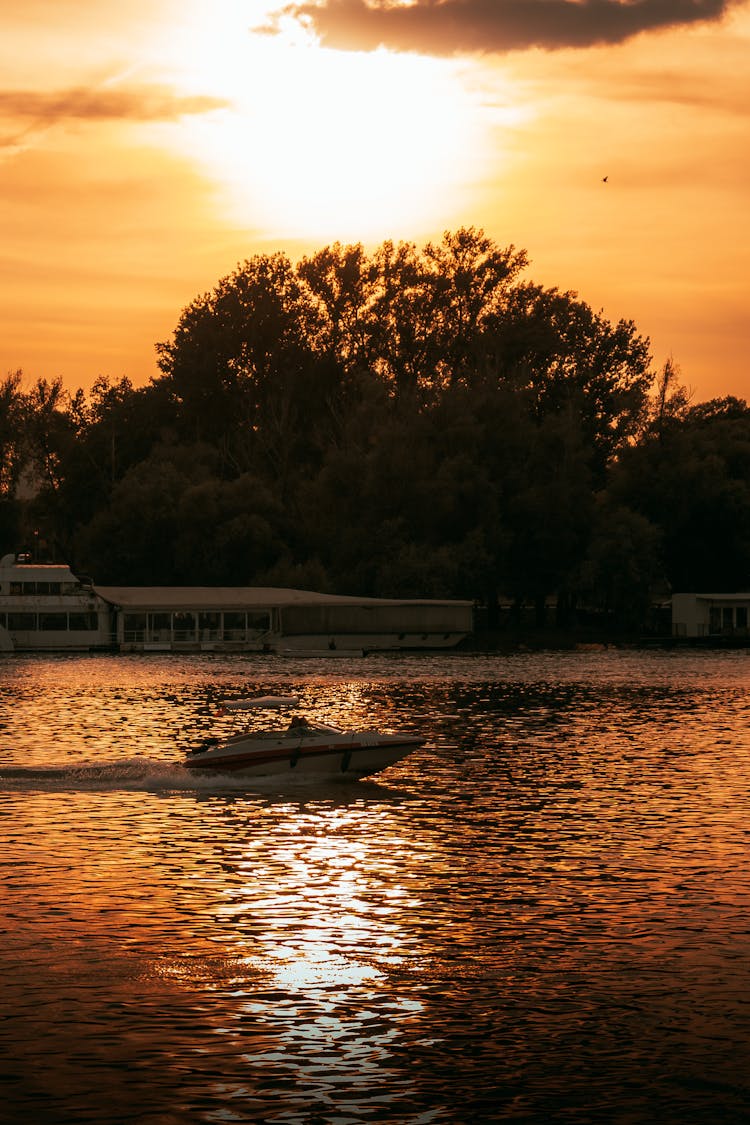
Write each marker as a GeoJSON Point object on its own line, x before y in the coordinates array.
{"type": "Point", "coordinates": [209, 621]}
{"type": "Point", "coordinates": [46, 587]}
{"type": "Point", "coordinates": [184, 626]}
{"type": "Point", "coordinates": [134, 625]}
{"type": "Point", "coordinates": [260, 622]}
{"type": "Point", "coordinates": [83, 622]}
{"type": "Point", "coordinates": [22, 621]}
{"type": "Point", "coordinates": [234, 626]}
{"type": "Point", "coordinates": [53, 622]}
{"type": "Point", "coordinates": [160, 626]}
{"type": "Point", "coordinates": [741, 617]}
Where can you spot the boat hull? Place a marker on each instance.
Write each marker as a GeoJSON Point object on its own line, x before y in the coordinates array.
{"type": "Point", "coordinates": [355, 756]}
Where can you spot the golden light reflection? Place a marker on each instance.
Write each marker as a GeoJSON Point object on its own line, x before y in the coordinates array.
{"type": "Point", "coordinates": [309, 920]}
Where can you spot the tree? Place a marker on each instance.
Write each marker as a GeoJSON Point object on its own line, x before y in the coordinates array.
{"type": "Point", "coordinates": [48, 438]}
{"type": "Point", "coordinates": [133, 540]}
{"type": "Point", "coordinates": [562, 356]}
{"type": "Point", "coordinates": [11, 457]}
{"type": "Point", "coordinates": [470, 280]}
{"type": "Point", "coordinates": [623, 568]}
{"type": "Point", "coordinates": [670, 401]}
{"type": "Point", "coordinates": [342, 284]}
{"type": "Point", "coordinates": [412, 420]}
{"type": "Point", "coordinates": [241, 369]}
{"type": "Point", "coordinates": [431, 307]}
{"type": "Point", "coordinates": [550, 513]}
{"type": "Point", "coordinates": [692, 481]}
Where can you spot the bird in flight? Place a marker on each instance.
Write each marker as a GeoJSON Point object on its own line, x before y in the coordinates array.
{"type": "Point", "coordinates": [604, 179]}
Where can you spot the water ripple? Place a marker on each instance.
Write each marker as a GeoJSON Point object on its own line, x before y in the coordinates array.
{"type": "Point", "coordinates": [541, 916]}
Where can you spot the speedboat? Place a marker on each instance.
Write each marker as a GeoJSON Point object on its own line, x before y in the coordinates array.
{"type": "Point", "coordinates": [302, 747]}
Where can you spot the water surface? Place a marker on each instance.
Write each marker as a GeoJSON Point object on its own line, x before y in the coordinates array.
{"type": "Point", "coordinates": [542, 916]}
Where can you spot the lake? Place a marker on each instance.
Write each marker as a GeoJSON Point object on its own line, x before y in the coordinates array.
{"type": "Point", "coordinates": [542, 916]}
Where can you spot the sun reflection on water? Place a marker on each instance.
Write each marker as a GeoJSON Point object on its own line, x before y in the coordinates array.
{"type": "Point", "coordinates": [302, 915]}
{"type": "Point", "coordinates": [546, 907]}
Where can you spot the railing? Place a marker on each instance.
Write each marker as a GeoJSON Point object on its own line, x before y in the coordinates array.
{"type": "Point", "coordinates": [255, 637]}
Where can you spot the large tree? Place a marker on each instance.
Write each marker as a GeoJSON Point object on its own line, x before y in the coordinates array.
{"type": "Point", "coordinates": [691, 479]}
{"type": "Point", "coordinates": [408, 420]}
{"type": "Point", "coordinates": [244, 372]}
{"type": "Point", "coordinates": [11, 456]}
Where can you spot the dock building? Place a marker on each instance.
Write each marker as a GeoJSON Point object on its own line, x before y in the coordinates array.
{"type": "Point", "coordinates": [45, 606]}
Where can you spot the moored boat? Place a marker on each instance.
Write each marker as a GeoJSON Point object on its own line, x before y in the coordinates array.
{"type": "Point", "coordinates": [302, 747]}
{"type": "Point", "coordinates": [45, 606]}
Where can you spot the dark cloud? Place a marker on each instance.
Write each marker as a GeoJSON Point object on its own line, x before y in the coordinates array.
{"type": "Point", "coordinates": [447, 27]}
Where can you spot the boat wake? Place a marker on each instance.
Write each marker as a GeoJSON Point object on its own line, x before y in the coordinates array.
{"type": "Point", "coordinates": [131, 773]}
{"type": "Point", "coordinates": [136, 775]}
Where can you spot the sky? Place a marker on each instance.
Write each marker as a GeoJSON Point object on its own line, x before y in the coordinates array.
{"type": "Point", "coordinates": [148, 147]}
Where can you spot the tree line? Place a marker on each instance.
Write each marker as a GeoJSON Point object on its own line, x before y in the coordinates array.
{"type": "Point", "coordinates": [412, 422]}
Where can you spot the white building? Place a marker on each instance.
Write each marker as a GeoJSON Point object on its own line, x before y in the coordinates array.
{"type": "Point", "coordinates": [710, 615]}
{"type": "Point", "coordinates": [274, 619]}
{"type": "Point", "coordinates": [46, 607]}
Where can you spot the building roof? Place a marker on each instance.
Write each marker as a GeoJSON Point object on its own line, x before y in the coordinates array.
{"type": "Point", "coordinates": [739, 597]}
{"type": "Point", "coordinates": [240, 597]}
{"type": "Point", "coordinates": [11, 568]}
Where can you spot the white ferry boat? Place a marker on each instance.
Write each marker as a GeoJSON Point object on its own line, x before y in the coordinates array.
{"type": "Point", "coordinates": [46, 606]}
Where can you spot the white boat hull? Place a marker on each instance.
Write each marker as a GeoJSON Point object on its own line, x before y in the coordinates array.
{"type": "Point", "coordinates": [359, 754]}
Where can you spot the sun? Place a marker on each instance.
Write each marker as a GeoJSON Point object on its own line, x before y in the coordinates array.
{"type": "Point", "coordinates": [314, 143]}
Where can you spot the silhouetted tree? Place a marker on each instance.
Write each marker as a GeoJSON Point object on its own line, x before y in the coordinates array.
{"type": "Point", "coordinates": [407, 421]}
{"type": "Point", "coordinates": [692, 481]}
{"type": "Point", "coordinates": [11, 458]}
{"type": "Point", "coordinates": [622, 572]}
{"type": "Point", "coordinates": [670, 400]}
{"type": "Point", "coordinates": [562, 356]}
{"type": "Point", "coordinates": [243, 371]}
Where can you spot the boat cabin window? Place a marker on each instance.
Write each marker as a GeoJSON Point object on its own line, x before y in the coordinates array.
{"type": "Point", "coordinates": [23, 622]}
{"type": "Point", "coordinates": [53, 621]}
{"type": "Point", "coordinates": [83, 622]}
{"type": "Point", "coordinates": [45, 589]}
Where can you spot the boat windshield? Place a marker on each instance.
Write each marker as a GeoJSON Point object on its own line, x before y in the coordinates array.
{"type": "Point", "coordinates": [304, 727]}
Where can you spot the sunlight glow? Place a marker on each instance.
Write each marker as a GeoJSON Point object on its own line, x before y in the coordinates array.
{"type": "Point", "coordinates": [319, 143]}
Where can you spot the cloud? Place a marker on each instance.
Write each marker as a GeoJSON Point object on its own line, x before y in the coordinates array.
{"type": "Point", "coordinates": [448, 27]}
{"type": "Point", "coordinates": [135, 103]}
{"type": "Point", "coordinates": [29, 112]}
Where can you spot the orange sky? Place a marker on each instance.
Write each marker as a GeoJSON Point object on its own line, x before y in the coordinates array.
{"type": "Point", "coordinates": [148, 146]}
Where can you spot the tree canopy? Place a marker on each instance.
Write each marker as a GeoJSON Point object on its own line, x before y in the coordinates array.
{"type": "Point", "coordinates": [407, 422]}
